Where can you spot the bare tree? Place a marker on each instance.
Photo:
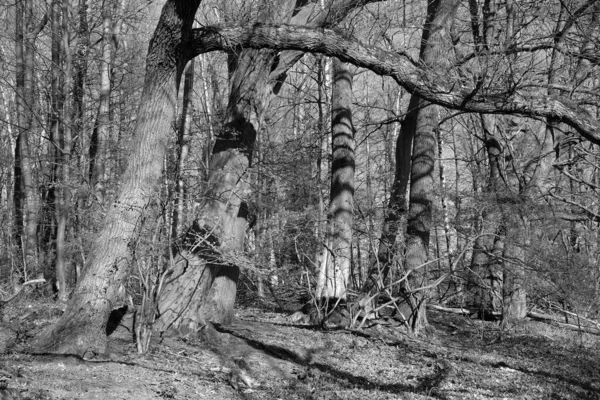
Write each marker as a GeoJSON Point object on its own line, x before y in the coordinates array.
{"type": "Point", "coordinates": [25, 194]}
{"type": "Point", "coordinates": [335, 268]}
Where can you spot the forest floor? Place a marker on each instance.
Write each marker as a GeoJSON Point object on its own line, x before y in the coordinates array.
{"type": "Point", "coordinates": [265, 356]}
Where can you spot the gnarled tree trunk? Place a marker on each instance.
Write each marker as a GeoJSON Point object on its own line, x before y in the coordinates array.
{"type": "Point", "coordinates": [217, 236]}
{"type": "Point", "coordinates": [82, 328]}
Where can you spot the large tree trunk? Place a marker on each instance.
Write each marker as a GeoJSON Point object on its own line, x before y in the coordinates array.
{"type": "Point", "coordinates": [335, 273]}
{"type": "Point", "coordinates": [417, 137]}
{"type": "Point", "coordinates": [435, 55]}
{"type": "Point", "coordinates": [221, 226]}
{"type": "Point", "coordinates": [82, 328]}
{"type": "Point", "coordinates": [218, 232]}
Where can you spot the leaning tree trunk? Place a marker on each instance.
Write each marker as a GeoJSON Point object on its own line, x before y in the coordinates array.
{"type": "Point", "coordinates": [417, 137]}
{"type": "Point", "coordinates": [216, 240]}
{"type": "Point", "coordinates": [82, 328]}
{"type": "Point", "coordinates": [203, 283]}
{"type": "Point", "coordinates": [435, 54]}
{"type": "Point", "coordinates": [397, 207]}
{"type": "Point", "coordinates": [335, 272]}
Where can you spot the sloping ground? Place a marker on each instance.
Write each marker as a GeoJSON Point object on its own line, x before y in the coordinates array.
{"type": "Point", "coordinates": [264, 356]}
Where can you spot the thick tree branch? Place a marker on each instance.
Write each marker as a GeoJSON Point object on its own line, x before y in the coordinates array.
{"type": "Point", "coordinates": [313, 16]}
{"type": "Point", "coordinates": [432, 86]}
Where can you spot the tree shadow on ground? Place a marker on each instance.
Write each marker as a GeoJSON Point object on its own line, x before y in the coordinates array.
{"type": "Point", "coordinates": [326, 372]}
{"type": "Point", "coordinates": [527, 349]}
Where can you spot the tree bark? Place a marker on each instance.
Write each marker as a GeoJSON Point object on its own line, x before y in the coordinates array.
{"type": "Point", "coordinates": [486, 263]}
{"type": "Point", "coordinates": [334, 276]}
{"type": "Point", "coordinates": [218, 233]}
{"type": "Point", "coordinates": [184, 138]}
{"type": "Point", "coordinates": [421, 124]}
{"type": "Point", "coordinates": [82, 328]}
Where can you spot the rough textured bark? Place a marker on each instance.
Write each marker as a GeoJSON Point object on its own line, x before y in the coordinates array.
{"type": "Point", "coordinates": [486, 264]}
{"type": "Point", "coordinates": [334, 277]}
{"type": "Point", "coordinates": [255, 75]}
{"type": "Point", "coordinates": [220, 228]}
{"type": "Point", "coordinates": [433, 87]}
{"type": "Point", "coordinates": [82, 328]}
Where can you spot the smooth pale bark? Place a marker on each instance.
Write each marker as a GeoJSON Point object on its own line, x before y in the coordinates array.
{"type": "Point", "coordinates": [430, 85]}
{"type": "Point", "coordinates": [444, 203]}
{"type": "Point", "coordinates": [322, 169]}
{"type": "Point", "coordinates": [214, 245]}
{"type": "Point", "coordinates": [335, 273]}
{"type": "Point", "coordinates": [514, 296]}
{"type": "Point", "coordinates": [98, 173]}
{"type": "Point", "coordinates": [184, 138]}
{"type": "Point", "coordinates": [64, 201]}
{"type": "Point", "coordinates": [82, 328]}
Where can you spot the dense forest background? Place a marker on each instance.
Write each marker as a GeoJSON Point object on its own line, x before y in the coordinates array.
{"type": "Point", "coordinates": [501, 219]}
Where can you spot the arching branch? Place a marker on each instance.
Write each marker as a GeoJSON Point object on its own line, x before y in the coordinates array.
{"type": "Point", "coordinates": [430, 85]}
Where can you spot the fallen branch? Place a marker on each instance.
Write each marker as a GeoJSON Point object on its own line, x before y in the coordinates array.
{"type": "Point", "coordinates": [460, 311]}
{"type": "Point", "coordinates": [550, 319]}
{"type": "Point", "coordinates": [554, 321]}
{"type": "Point", "coordinates": [575, 315]}
{"type": "Point", "coordinates": [19, 289]}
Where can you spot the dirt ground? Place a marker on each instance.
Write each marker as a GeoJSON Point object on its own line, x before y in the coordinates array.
{"type": "Point", "coordinates": [266, 356]}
